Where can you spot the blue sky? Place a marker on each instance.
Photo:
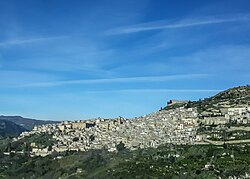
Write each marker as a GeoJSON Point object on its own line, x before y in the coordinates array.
{"type": "Point", "coordinates": [70, 60]}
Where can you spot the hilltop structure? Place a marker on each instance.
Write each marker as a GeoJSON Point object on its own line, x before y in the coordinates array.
{"type": "Point", "coordinates": [173, 101]}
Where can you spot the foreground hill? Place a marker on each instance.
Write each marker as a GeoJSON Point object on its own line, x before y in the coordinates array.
{"type": "Point", "coordinates": [167, 161]}
{"type": "Point", "coordinates": [9, 128]}
{"type": "Point", "coordinates": [26, 123]}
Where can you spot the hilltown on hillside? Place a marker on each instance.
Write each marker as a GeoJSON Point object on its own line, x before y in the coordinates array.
{"type": "Point", "coordinates": [176, 126]}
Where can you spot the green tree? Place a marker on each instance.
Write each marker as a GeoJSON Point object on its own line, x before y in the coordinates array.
{"type": "Point", "coordinates": [120, 146]}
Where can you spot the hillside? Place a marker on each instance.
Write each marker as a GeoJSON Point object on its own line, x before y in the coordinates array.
{"type": "Point", "coordinates": [163, 144]}
{"type": "Point", "coordinates": [27, 123]}
{"type": "Point", "coordinates": [8, 128]}
{"type": "Point", "coordinates": [232, 97]}
{"type": "Point", "coordinates": [167, 161]}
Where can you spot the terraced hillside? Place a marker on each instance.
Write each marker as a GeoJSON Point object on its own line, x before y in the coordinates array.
{"type": "Point", "coordinates": [232, 97]}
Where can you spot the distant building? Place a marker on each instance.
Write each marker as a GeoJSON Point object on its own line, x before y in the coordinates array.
{"type": "Point", "coordinates": [172, 101]}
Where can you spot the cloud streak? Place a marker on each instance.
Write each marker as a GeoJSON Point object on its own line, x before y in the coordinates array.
{"type": "Point", "coordinates": [157, 90]}
{"type": "Point", "coordinates": [30, 40]}
{"type": "Point", "coordinates": [160, 25]}
{"type": "Point", "coordinates": [119, 80]}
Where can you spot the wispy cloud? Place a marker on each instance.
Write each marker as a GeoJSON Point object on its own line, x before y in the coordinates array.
{"type": "Point", "coordinates": [14, 78]}
{"type": "Point", "coordinates": [120, 80]}
{"type": "Point", "coordinates": [159, 25]}
{"type": "Point", "coordinates": [30, 40]}
{"type": "Point", "coordinates": [227, 59]}
{"type": "Point", "coordinates": [157, 90]}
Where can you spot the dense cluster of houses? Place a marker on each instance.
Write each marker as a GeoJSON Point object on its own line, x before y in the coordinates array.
{"type": "Point", "coordinates": [177, 126]}
{"type": "Point", "coordinates": [173, 126]}
{"type": "Point", "coordinates": [235, 115]}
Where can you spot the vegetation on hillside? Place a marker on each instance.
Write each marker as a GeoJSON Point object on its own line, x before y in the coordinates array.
{"type": "Point", "coordinates": [167, 161]}
{"type": "Point", "coordinates": [41, 141]}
